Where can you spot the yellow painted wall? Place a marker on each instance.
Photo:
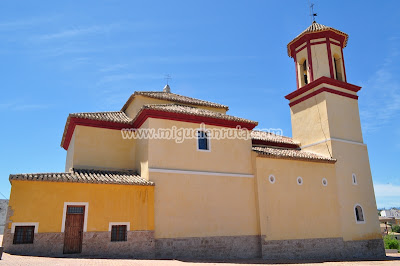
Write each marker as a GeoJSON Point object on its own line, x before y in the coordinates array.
{"type": "Point", "coordinates": [308, 117]}
{"type": "Point", "coordinates": [344, 117]}
{"type": "Point", "coordinates": [43, 202]}
{"type": "Point", "coordinates": [99, 148]}
{"type": "Point", "coordinates": [232, 156]}
{"type": "Point", "coordinates": [142, 154]}
{"type": "Point", "coordinates": [290, 211]}
{"type": "Point", "coordinates": [319, 54]}
{"type": "Point", "coordinates": [353, 158]}
{"type": "Point", "coordinates": [141, 100]}
{"type": "Point", "coordinates": [201, 205]}
{"type": "Point", "coordinates": [70, 154]}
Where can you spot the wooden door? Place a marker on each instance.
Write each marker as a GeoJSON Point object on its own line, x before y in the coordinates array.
{"type": "Point", "coordinates": [74, 229]}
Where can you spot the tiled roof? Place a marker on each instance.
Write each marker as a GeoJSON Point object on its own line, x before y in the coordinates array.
{"type": "Point", "coordinates": [168, 96]}
{"type": "Point", "coordinates": [184, 109]}
{"type": "Point", "coordinates": [87, 176]}
{"type": "Point", "coordinates": [316, 27]}
{"type": "Point", "coordinates": [271, 137]}
{"type": "Point", "coordinates": [292, 154]}
{"type": "Point", "coordinates": [118, 117]}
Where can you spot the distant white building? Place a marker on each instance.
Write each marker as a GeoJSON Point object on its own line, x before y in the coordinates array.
{"type": "Point", "coordinates": [3, 213]}
{"type": "Point", "coordinates": [391, 213]}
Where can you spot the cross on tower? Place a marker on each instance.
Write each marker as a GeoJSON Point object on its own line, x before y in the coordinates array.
{"type": "Point", "coordinates": [167, 78]}
{"type": "Point", "coordinates": [312, 14]}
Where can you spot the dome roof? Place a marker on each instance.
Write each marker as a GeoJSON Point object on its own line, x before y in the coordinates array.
{"type": "Point", "coordinates": [316, 27]}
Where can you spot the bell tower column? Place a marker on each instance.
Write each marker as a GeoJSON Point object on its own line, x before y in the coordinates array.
{"type": "Point", "coordinates": [325, 120]}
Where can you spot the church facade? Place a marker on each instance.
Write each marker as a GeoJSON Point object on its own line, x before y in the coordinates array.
{"type": "Point", "coordinates": [264, 196]}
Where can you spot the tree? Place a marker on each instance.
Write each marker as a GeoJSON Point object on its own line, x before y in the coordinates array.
{"type": "Point", "coordinates": [396, 228]}
{"type": "Point", "coordinates": [391, 242]}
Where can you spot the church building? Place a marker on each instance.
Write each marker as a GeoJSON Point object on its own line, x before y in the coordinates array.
{"type": "Point", "coordinates": [265, 196]}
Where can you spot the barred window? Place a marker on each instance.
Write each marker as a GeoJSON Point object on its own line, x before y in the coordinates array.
{"type": "Point", "coordinates": [118, 233]}
{"type": "Point", "coordinates": [75, 209]}
{"type": "Point", "coordinates": [24, 234]}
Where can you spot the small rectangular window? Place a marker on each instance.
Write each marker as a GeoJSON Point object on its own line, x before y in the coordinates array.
{"type": "Point", "coordinates": [75, 209]}
{"type": "Point", "coordinates": [203, 141]}
{"type": "Point", "coordinates": [24, 234]}
{"type": "Point", "coordinates": [118, 233]}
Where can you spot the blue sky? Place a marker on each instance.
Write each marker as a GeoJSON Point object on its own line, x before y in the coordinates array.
{"type": "Point", "coordinates": [86, 56]}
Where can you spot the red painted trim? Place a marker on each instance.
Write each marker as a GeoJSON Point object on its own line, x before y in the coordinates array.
{"type": "Point", "coordinates": [302, 48]}
{"type": "Point", "coordinates": [328, 47]}
{"type": "Point", "coordinates": [323, 90]}
{"type": "Point", "coordinates": [310, 61]}
{"type": "Point", "coordinates": [148, 113]}
{"type": "Point", "coordinates": [316, 35]}
{"type": "Point", "coordinates": [315, 43]}
{"type": "Point", "coordinates": [344, 68]}
{"type": "Point", "coordinates": [297, 74]}
{"type": "Point", "coordinates": [330, 81]}
{"type": "Point", "coordinates": [274, 144]}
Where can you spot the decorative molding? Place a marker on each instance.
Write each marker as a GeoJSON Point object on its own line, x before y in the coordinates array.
{"type": "Point", "coordinates": [321, 80]}
{"type": "Point", "coordinates": [334, 139]}
{"type": "Point", "coordinates": [308, 96]}
{"type": "Point", "coordinates": [35, 224]}
{"type": "Point", "coordinates": [128, 225]}
{"type": "Point", "coordinates": [66, 204]}
{"type": "Point", "coordinates": [178, 171]}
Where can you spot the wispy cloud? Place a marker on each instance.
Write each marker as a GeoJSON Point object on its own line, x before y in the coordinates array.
{"type": "Point", "coordinates": [17, 106]}
{"type": "Point", "coordinates": [111, 68]}
{"type": "Point", "coordinates": [25, 23]}
{"type": "Point", "coordinates": [382, 103]}
{"type": "Point", "coordinates": [78, 31]}
{"type": "Point", "coordinates": [387, 195]}
{"type": "Point", "coordinates": [128, 76]}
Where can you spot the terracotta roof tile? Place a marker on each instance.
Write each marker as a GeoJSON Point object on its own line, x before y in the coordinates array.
{"type": "Point", "coordinates": [316, 27]}
{"type": "Point", "coordinates": [174, 98]}
{"type": "Point", "coordinates": [271, 137]}
{"type": "Point", "coordinates": [87, 176]}
{"type": "Point", "coordinates": [184, 109]}
{"type": "Point", "coordinates": [118, 117]}
{"type": "Point", "coordinates": [292, 154]}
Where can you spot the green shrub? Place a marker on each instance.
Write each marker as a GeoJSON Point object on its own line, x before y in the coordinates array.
{"type": "Point", "coordinates": [396, 228]}
{"type": "Point", "coordinates": [391, 242]}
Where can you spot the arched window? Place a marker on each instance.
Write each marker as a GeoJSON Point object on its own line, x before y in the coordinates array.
{"type": "Point", "coordinates": [358, 211]}
{"type": "Point", "coordinates": [303, 70]}
{"type": "Point", "coordinates": [354, 179]}
{"type": "Point", "coordinates": [338, 67]}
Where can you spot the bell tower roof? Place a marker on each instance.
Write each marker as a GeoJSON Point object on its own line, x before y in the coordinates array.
{"type": "Point", "coordinates": [312, 29]}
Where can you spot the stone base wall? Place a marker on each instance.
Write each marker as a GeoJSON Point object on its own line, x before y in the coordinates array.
{"type": "Point", "coordinates": [219, 247]}
{"type": "Point", "coordinates": [323, 248]}
{"type": "Point", "coordinates": [139, 244]}
{"type": "Point", "coordinates": [44, 244]}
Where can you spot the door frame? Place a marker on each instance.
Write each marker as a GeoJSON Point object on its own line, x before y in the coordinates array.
{"type": "Point", "coordinates": [85, 218]}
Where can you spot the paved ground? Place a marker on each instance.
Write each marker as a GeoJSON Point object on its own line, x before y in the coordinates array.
{"type": "Point", "coordinates": [26, 260]}
{"type": "Point", "coordinates": [392, 259]}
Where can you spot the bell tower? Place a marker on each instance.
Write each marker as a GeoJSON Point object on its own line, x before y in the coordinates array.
{"type": "Point", "coordinates": [325, 120]}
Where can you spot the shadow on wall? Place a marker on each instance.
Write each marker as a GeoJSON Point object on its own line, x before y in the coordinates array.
{"type": "Point", "coordinates": [3, 214]}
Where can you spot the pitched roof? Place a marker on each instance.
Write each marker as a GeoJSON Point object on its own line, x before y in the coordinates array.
{"type": "Point", "coordinates": [271, 137]}
{"type": "Point", "coordinates": [291, 154]}
{"type": "Point", "coordinates": [118, 117]}
{"type": "Point", "coordinates": [168, 96]}
{"type": "Point", "coordinates": [87, 176]}
{"type": "Point", "coordinates": [316, 27]}
{"type": "Point", "coordinates": [185, 109]}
